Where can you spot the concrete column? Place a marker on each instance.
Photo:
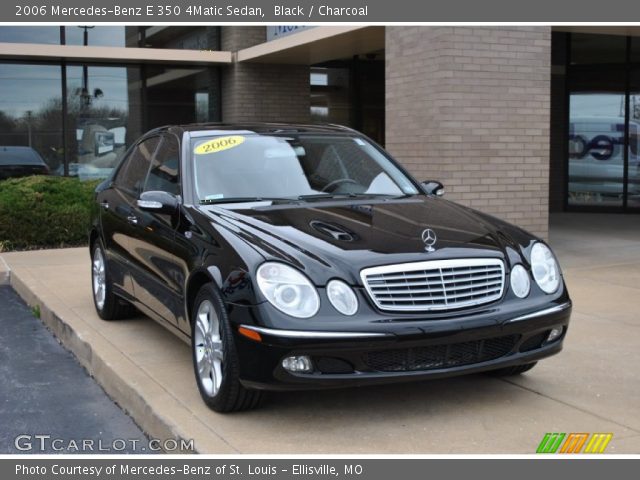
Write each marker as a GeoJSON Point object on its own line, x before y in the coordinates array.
{"type": "Point", "coordinates": [470, 106]}
{"type": "Point", "coordinates": [262, 92]}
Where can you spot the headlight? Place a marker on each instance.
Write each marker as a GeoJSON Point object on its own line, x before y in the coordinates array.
{"type": "Point", "coordinates": [342, 297]}
{"type": "Point", "coordinates": [288, 290]}
{"type": "Point", "coordinates": [520, 283]}
{"type": "Point", "coordinates": [545, 268]}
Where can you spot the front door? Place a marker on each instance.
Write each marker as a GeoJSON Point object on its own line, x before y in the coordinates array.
{"type": "Point", "coordinates": [157, 274]}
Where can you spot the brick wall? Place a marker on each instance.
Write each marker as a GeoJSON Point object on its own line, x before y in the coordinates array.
{"type": "Point", "coordinates": [233, 39]}
{"type": "Point", "coordinates": [470, 106]}
{"type": "Point", "coordinates": [262, 92]}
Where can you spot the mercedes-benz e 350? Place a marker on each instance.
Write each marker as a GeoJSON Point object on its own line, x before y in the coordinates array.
{"type": "Point", "coordinates": [299, 256]}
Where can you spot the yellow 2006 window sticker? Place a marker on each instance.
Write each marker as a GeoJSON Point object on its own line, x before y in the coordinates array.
{"type": "Point", "coordinates": [219, 144]}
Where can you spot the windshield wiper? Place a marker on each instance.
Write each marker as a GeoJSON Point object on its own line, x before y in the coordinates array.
{"type": "Point", "coordinates": [321, 196]}
{"type": "Point", "coordinates": [214, 201]}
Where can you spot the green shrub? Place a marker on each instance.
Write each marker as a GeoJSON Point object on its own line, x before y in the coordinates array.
{"type": "Point", "coordinates": [44, 212]}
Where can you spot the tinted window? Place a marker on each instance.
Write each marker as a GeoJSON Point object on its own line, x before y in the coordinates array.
{"type": "Point", "coordinates": [133, 173]}
{"type": "Point", "coordinates": [164, 173]}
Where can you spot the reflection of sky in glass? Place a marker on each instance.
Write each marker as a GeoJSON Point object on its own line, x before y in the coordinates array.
{"type": "Point", "coordinates": [111, 80]}
{"type": "Point", "coordinates": [27, 87]}
{"type": "Point", "coordinates": [48, 35]}
{"type": "Point", "coordinates": [107, 36]}
{"type": "Point", "coordinates": [604, 105]}
{"type": "Point", "coordinates": [597, 105]}
{"type": "Point", "coordinates": [319, 78]}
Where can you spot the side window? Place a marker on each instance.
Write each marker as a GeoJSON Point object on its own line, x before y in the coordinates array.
{"type": "Point", "coordinates": [165, 167]}
{"type": "Point", "coordinates": [133, 173]}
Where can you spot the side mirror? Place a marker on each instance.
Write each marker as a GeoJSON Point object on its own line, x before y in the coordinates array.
{"type": "Point", "coordinates": [158, 202]}
{"type": "Point", "coordinates": [433, 187]}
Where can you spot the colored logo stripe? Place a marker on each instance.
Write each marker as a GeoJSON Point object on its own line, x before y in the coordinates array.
{"type": "Point", "coordinates": [574, 442]}
{"type": "Point", "coordinates": [598, 442]}
{"type": "Point", "coordinates": [550, 443]}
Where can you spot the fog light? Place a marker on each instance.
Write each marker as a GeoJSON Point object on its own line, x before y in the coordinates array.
{"type": "Point", "coordinates": [554, 334]}
{"type": "Point", "coordinates": [300, 364]}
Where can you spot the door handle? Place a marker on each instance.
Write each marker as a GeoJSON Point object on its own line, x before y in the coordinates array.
{"type": "Point", "coordinates": [104, 204]}
{"type": "Point", "coordinates": [132, 219]}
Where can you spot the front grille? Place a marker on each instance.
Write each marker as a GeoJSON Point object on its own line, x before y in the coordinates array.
{"type": "Point", "coordinates": [440, 356]}
{"type": "Point", "coordinates": [435, 285]}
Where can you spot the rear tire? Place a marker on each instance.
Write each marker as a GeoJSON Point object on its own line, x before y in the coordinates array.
{"type": "Point", "coordinates": [215, 360]}
{"type": "Point", "coordinates": [108, 305]}
{"type": "Point", "coordinates": [515, 370]}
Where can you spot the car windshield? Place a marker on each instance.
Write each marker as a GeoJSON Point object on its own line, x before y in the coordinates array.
{"type": "Point", "coordinates": [293, 166]}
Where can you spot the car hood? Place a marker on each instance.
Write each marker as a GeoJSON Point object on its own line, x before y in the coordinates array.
{"type": "Point", "coordinates": [332, 238]}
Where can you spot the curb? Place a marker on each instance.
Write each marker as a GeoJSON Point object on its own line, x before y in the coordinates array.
{"type": "Point", "coordinates": [5, 272]}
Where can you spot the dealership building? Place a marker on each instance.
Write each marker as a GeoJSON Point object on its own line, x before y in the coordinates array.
{"type": "Point", "coordinates": [515, 121]}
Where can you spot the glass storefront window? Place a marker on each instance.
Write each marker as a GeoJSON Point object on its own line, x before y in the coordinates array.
{"type": "Point", "coordinates": [596, 149]}
{"type": "Point", "coordinates": [597, 49]}
{"type": "Point", "coordinates": [350, 92]}
{"type": "Point", "coordinates": [330, 99]}
{"type": "Point", "coordinates": [23, 34]}
{"type": "Point", "coordinates": [103, 117]}
{"type": "Point", "coordinates": [604, 131]}
{"type": "Point", "coordinates": [633, 173]}
{"type": "Point", "coordinates": [31, 111]}
{"type": "Point", "coordinates": [181, 95]}
{"type": "Point", "coordinates": [107, 106]}
{"type": "Point", "coordinates": [97, 36]}
{"type": "Point", "coordinates": [181, 37]}
{"type": "Point", "coordinates": [635, 49]}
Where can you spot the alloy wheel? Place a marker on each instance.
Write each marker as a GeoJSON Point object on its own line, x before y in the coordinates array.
{"type": "Point", "coordinates": [99, 278]}
{"type": "Point", "coordinates": [209, 348]}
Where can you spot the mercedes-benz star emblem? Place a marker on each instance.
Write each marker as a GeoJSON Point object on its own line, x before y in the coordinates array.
{"type": "Point", "coordinates": [429, 238]}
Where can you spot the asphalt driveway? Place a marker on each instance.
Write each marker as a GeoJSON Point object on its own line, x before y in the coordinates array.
{"type": "Point", "coordinates": [47, 400]}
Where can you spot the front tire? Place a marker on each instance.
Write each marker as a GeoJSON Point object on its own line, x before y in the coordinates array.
{"type": "Point", "coordinates": [108, 305]}
{"type": "Point", "coordinates": [215, 359]}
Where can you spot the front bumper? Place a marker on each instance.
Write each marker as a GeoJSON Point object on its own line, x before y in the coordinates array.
{"type": "Point", "coordinates": [397, 353]}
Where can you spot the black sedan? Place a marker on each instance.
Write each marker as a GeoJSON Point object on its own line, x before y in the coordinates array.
{"type": "Point", "coordinates": [298, 256]}
{"type": "Point", "coordinates": [21, 162]}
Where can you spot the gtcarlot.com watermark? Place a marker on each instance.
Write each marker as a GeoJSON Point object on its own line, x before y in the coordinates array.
{"type": "Point", "coordinates": [47, 443]}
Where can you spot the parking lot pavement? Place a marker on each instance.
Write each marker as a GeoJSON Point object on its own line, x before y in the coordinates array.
{"type": "Point", "coordinates": [46, 392]}
{"type": "Point", "coordinates": [592, 386]}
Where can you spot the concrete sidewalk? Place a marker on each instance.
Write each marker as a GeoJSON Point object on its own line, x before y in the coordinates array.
{"type": "Point", "coordinates": [592, 386]}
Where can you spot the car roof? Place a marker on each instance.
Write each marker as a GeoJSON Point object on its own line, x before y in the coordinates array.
{"type": "Point", "coordinates": [260, 128]}
{"type": "Point", "coordinates": [14, 155]}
